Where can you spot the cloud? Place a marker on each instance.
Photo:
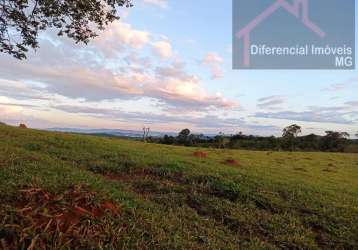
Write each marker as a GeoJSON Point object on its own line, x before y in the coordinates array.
{"type": "Point", "coordinates": [77, 109]}
{"type": "Point", "coordinates": [271, 102]}
{"type": "Point", "coordinates": [115, 75]}
{"type": "Point", "coordinates": [336, 87]}
{"type": "Point", "coordinates": [62, 68]}
{"type": "Point", "coordinates": [341, 86]}
{"type": "Point", "coordinates": [22, 91]}
{"type": "Point", "coordinates": [8, 114]}
{"type": "Point", "coordinates": [335, 115]}
{"type": "Point", "coordinates": [163, 49]}
{"type": "Point", "coordinates": [214, 62]}
{"type": "Point", "coordinates": [175, 70]}
{"type": "Point", "coordinates": [80, 82]}
{"type": "Point", "coordinates": [206, 122]}
{"type": "Point", "coordinates": [136, 61]}
{"type": "Point", "coordinates": [14, 114]}
{"type": "Point", "coordinates": [212, 58]}
{"type": "Point", "coordinates": [190, 95]}
{"type": "Point", "coordinates": [118, 36]}
{"type": "Point", "coordinates": [4, 104]}
{"type": "Point", "coordinates": [352, 104]}
{"type": "Point", "coordinates": [160, 3]}
{"type": "Point", "coordinates": [303, 117]}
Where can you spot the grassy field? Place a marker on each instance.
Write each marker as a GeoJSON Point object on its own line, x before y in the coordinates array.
{"type": "Point", "coordinates": [63, 191]}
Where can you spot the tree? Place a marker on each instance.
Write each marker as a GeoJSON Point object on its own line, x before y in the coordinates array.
{"type": "Point", "coordinates": [291, 131]}
{"type": "Point", "coordinates": [168, 140]}
{"type": "Point", "coordinates": [309, 142]}
{"type": "Point", "coordinates": [183, 136]}
{"type": "Point", "coordinates": [337, 135]}
{"type": "Point", "coordinates": [289, 135]}
{"type": "Point", "coordinates": [221, 140]}
{"type": "Point", "coordinates": [334, 141]}
{"type": "Point", "coordinates": [22, 20]}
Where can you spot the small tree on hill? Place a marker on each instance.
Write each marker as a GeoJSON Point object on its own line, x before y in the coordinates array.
{"type": "Point", "coordinates": [292, 131]}
{"type": "Point", "coordinates": [22, 125]}
{"type": "Point", "coordinates": [289, 135]}
{"type": "Point", "coordinates": [183, 137]}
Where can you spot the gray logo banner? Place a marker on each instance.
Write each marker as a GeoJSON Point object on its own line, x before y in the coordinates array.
{"type": "Point", "coordinates": [294, 34]}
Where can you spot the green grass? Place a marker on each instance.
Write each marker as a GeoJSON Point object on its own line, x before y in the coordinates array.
{"type": "Point", "coordinates": [170, 199]}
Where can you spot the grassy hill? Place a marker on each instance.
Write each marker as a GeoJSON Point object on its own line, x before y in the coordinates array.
{"type": "Point", "coordinates": [73, 191]}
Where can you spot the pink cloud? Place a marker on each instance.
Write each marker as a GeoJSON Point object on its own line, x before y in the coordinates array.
{"type": "Point", "coordinates": [214, 62]}
{"type": "Point", "coordinates": [163, 49]}
{"type": "Point", "coordinates": [76, 72]}
{"type": "Point", "coordinates": [120, 35]}
{"type": "Point", "coordinates": [191, 94]}
{"type": "Point", "coordinates": [212, 58]}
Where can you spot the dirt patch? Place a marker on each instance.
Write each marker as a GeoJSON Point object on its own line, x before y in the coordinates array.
{"type": "Point", "coordinates": [132, 176]}
{"type": "Point", "coordinates": [155, 174]}
{"type": "Point", "coordinates": [231, 162]}
{"type": "Point", "coordinates": [280, 161]}
{"type": "Point", "coordinates": [200, 154]}
{"type": "Point", "coordinates": [151, 184]}
{"type": "Point", "coordinates": [38, 219]}
{"type": "Point", "coordinates": [300, 169]}
{"type": "Point", "coordinates": [330, 170]}
{"type": "Point", "coordinates": [197, 207]}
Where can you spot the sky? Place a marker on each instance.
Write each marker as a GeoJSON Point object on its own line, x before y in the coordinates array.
{"type": "Point", "coordinates": [167, 65]}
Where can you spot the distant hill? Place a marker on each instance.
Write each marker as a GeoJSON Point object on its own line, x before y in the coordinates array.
{"type": "Point", "coordinates": [72, 191]}
{"type": "Point", "coordinates": [111, 132]}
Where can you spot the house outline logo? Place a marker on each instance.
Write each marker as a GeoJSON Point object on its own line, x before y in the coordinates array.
{"type": "Point", "coordinates": [294, 10]}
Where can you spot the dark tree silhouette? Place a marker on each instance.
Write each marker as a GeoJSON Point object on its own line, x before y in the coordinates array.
{"type": "Point", "coordinates": [221, 140]}
{"type": "Point", "coordinates": [184, 137]}
{"type": "Point", "coordinates": [22, 20]}
{"type": "Point", "coordinates": [291, 131]}
{"type": "Point", "coordinates": [289, 135]}
{"type": "Point", "coordinates": [331, 142]}
{"type": "Point", "coordinates": [334, 141]}
{"type": "Point", "coordinates": [337, 135]}
{"type": "Point", "coordinates": [184, 133]}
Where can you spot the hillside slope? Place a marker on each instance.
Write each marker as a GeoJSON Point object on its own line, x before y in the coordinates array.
{"type": "Point", "coordinates": [71, 191]}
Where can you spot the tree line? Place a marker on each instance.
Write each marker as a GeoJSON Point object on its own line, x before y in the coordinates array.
{"type": "Point", "coordinates": [290, 140]}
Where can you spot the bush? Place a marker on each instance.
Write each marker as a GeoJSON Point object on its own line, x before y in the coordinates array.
{"type": "Point", "coordinates": [352, 148]}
